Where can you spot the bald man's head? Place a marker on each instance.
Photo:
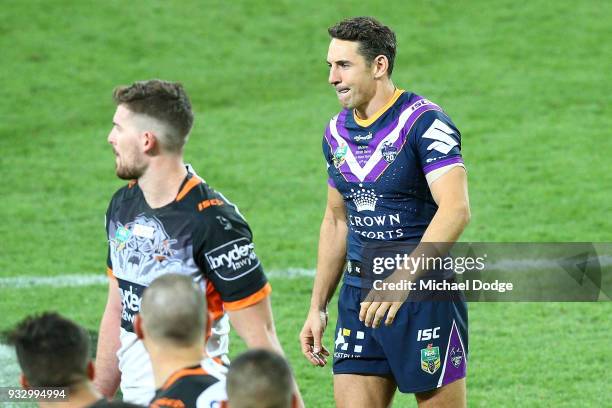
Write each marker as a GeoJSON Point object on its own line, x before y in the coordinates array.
{"type": "Point", "coordinates": [173, 311]}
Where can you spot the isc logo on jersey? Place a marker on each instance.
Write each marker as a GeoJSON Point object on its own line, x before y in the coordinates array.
{"type": "Point", "coordinates": [233, 259]}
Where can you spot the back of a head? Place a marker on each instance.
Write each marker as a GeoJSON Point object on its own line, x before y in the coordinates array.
{"type": "Point", "coordinates": [52, 350]}
{"type": "Point", "coordinates": [374, 38]}
{"type": "Point", "coordinates": [163, 101]}
{"type": "Point", "coordinates": [173, 311]}
{"type": "Point", "coordinates": [114, 404]}
{"type": "Point", "coordinates": [260, 379]}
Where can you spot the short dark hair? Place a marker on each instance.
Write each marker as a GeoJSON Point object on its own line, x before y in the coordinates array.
{"type": "Point", "coordinates": [162, 100]}
{"type": "Point", "coordinates": [173, 310]}
{"type": "Point", "coordinates": [260, 378]}
{"type": "Point", "coordinates": [52, 350]}
{"type": "Point", "coordinates": [374, 38]}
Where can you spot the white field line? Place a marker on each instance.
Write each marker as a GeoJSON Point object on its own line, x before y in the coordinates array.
{"type": "Point", "coordinates": [100, 279]}
{"type": "Point", "coordinates": [88, 280]}
{"type": "Point", "coordinates": [9, 370]}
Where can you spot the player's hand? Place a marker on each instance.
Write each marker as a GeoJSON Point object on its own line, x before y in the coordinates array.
{"type": "Point", "coordinates": [311, 336]}
{"type": "Point", "coordinates": [372, 313]}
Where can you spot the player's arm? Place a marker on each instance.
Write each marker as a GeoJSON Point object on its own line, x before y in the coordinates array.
{"type": "Point", "coordinates": [107, 375]}
{"type": "Point", "coordinates": [450, 192]}
{"type": "Point", "coordinates": [255, 325]}
{"type": "Point", "coordinates": [330, 263]}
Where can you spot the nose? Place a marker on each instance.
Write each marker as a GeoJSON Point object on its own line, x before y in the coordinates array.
{"type": "Point", "coordinates": [334, 77]}
{"type": "Point", "coordinates": [111, 137]}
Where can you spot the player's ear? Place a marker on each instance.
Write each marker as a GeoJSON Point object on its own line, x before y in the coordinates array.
{"type": "Point", "coordinates": [24, 382]}
{"type": "Point", "coordinates": [91, 371]}
{"type": "Point", "coordinates": [138, 326]}
{"type": "Point", "coordinates": [380, 65]}
{"type": "Point", "coordinates": [150, 142]}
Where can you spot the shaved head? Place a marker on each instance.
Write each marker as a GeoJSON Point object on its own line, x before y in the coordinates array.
{"type": "Point", "coordinates": [173, 311]}
{"type": "Point", "coordinates": [260, 379]}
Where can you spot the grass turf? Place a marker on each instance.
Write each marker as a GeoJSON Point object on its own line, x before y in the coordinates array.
{"type": "Point", "coordinates": [524, 83]}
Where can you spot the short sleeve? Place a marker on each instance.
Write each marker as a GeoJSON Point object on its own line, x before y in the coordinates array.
{"type": "Point", "coordinates": [437, 144]}
{"type": "Point", "coordinates": [225, 253]}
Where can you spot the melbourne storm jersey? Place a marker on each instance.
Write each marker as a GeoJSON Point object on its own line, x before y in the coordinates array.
{"type": "Point", "coordinates": [201, 235]}
{"type": "Point", "coordinates": [383, 168]}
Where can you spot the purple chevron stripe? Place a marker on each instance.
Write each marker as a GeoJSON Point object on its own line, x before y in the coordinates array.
{"type": "Point", "coordinates": [382, 164]}
{"type": "Point", "coordinates": [382, 133]}
{"type": "Point", "coordinates": [330, 140]}
{"type": "Point", "coordinates": [340, 125]}
{"type": "Point", "coordinates": [442, 163]}
{"type": "Point", "coordinates": [363, 157]}
{"type": "Point", "coordinates": [455, 359]}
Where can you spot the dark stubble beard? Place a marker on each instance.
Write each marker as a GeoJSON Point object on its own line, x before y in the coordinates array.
{"type": "Point", "coordinates": [133, 172]}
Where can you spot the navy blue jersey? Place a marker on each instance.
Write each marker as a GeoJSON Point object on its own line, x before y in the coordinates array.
{"type": "Point", "coordinates": [383, 168]}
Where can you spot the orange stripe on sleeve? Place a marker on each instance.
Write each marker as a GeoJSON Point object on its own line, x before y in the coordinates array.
{"type": "Point", "coordinates": [249, 300]}
{"type": "Point", "coordinates": [191, 183]}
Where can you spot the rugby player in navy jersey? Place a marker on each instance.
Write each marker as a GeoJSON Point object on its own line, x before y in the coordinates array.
{"type": "Point", "coordinates": [168, 220]}
{"type": "Point", "coordinates": [396, 175]}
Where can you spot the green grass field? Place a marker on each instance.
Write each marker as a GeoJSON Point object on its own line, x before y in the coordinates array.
{"type": "Point", "coordinates": [527, 84]}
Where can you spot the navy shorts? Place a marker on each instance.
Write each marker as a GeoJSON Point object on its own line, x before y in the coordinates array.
{"type": "Point", "coordinates": [423, 349]}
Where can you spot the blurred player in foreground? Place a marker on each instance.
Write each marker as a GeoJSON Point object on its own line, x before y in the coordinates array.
{"type": "Point", "coordinates": [54, 352]}
{"type": "Point", "coordinates": [168, 220]}
{"type": "Point", "coordinates": [260, 379]}
{"type": "Point", "coordinates": [396, 175]}
{"type": "Point", "coordinates": [171, 324]}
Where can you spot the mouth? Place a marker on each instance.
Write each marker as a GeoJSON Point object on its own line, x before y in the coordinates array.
{"type": "Point", "coordinates": [342, 93]}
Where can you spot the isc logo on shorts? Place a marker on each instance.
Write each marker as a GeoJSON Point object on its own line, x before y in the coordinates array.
{"type": "Point", "coordinates": [233, 259]}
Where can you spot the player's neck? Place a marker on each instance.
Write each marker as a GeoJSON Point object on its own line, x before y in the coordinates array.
{"type": "Point", "coordinates": [161, 182]}
{"type": "Point", "coordinates": [384, 92]}
{"type": "Point", "coordinates": [167, 361]}
{"type": "Point", "coordinates": [80, 395]}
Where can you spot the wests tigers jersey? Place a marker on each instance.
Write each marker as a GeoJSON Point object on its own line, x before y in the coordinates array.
{"type": "Point", "coordinates": [383, 168]}
{"type": "Point", "coordinates": [200, 234]}
{"type": "Point", "coordinates": [192, 387]}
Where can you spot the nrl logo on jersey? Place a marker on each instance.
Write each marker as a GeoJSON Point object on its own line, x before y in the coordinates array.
{"type": "Point", "coordinates": [430, 359]}
{"type": "Point", "coordinates": [339, 155]}
{"type": "Point", "coordinates": [389, 152]}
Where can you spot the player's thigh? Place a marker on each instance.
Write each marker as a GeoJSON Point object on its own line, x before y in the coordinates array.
{"type": "Point", "coordinates": [367, 391]}
{"type": "Point", "coordinates": [452, 395]}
